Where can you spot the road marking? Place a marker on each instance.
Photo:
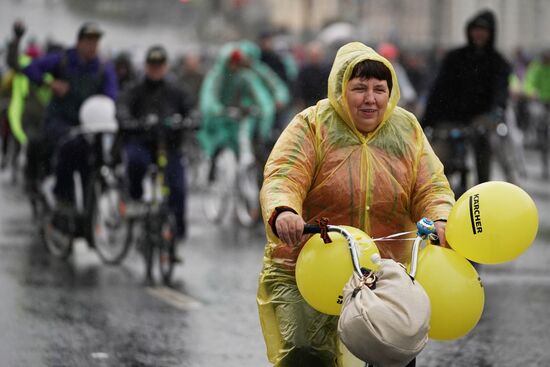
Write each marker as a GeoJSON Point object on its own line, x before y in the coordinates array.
{"type": "Point", "coordinates": [174, 298]}
{"type": "Point", "coordinates": [99, 355]}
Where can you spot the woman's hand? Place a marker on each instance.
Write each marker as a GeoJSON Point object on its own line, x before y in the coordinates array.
{"type": "Point", "coordinates": [440, 227]}
{"type": "Point", "coordinates": [290, 228]}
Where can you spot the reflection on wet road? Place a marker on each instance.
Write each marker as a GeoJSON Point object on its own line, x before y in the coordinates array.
{"type": "Point", "coordinates": [85, 313]}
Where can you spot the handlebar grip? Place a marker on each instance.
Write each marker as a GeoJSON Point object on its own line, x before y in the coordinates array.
{"type": "Point", "coordinates": [311, 228]}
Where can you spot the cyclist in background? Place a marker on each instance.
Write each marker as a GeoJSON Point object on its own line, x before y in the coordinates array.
{"type": "Point", "coordinates": [155, 95]}
{"type": "Point", "coordinates": [311, 83]}
{"type": "Point", "coordinates": [77, 73]}
{"type": "Point", "coordinates": [270, 57]}
{"type": "Point", "coordinates": [125, 72]}
{"type": "Point", "coordinates": [470, 92]}
{"type": "Point", "coordinates": [232, 83]}
{"type": "Point", "coordinates": [537, 88]}
{"type": "Point", "coordinates": [280, 94]}
{"type": "Point", "coordinates": [27, 108]}
{"type": "Point", "coordinates": [189, 73]}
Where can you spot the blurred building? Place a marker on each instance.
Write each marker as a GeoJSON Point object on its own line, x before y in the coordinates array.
{"type": "Point", "coordinates": [186, 24]}
{"type": "Point", "coordinates": [418, 23]}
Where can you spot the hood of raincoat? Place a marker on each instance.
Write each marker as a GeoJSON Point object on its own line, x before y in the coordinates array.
{"type": "Point", "coordinates": [251, 50]}
{"type": "Point", "coordinates": [485, 19]}
{"type": "Point", "coordinates": [347, 57]}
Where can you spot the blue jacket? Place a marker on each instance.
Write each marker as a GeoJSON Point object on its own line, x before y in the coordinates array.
{"type": "Point", "coordinates": [84, 78]}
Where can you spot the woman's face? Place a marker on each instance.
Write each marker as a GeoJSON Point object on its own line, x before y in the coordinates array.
{"type": "Point", "coordinates": [367, 102]}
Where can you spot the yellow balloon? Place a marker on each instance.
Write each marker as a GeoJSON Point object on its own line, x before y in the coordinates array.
{"type": "Point", "coordinates": [492, 223]}
{"type": "Point", "coordinates": [322, 269]}
{"type": "Point", "coordinates": [455, 291]}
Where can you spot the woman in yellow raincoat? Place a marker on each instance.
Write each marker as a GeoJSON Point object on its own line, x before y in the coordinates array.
{"type": "Point", "coordinates": [359, 160]}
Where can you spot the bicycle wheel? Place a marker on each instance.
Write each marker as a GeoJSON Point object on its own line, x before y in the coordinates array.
{"type": "Point", "coordinates": [110, 228]}
{"type": "Point", "coordinates": [223, 173]}
{"type": "Point", "coordinates": [166, 247]}
{"type": "Point", "coordinates": [247, 205]}
{"type": "Point", "coordinates": [57, 235]}
{"type": "Point", "coordinates": [196, 165]}
{"type": "Point", "coordinates": [147, 247]}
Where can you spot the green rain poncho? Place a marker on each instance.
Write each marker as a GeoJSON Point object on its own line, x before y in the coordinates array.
{"type": "Point", "coordinates": [223, 88]}
{"type": "Point", "coordinates": [27, 105]}
{"type": "Point", "coordinates": [322, 166]}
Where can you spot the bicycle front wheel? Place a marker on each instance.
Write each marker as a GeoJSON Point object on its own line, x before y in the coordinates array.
{"type": "Point", "coordinates": [110, 227]}
{"type": "Point", "coordinates": [166, 248]}
{"type": "Point", "coordinates": [247, 205]}
{"type": "Point", "coordinates": [222, 176]}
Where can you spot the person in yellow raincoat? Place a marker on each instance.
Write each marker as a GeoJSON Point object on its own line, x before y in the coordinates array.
{"type": "Point", "coordinates": [358, 160]}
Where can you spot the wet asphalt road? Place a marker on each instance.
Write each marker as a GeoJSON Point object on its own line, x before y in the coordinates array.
{"type": "Point", "coordinates": [84, 313]}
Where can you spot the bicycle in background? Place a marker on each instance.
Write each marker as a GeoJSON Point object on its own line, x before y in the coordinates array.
{"type": "Point", "coordinates": [96, 215]}
{"type": "Point", "coordinates": [155, 221]}
{"type": "Point", "coordinates": [233, 180]}
{"type": "Point", "coordinates": [196, 163]}
{"type": "Point", "coordinates": [451, 146]}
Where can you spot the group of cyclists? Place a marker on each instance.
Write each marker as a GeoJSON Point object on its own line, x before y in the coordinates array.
{"type": "Point", "coordinates": [46, 92]}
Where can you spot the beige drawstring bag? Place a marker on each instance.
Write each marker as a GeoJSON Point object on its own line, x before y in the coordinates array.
{"type": "Point", "coordinates": [385, 316]}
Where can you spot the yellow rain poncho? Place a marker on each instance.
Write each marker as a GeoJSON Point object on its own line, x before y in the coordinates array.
{"type": "Point", "coordinates": [322, 166]}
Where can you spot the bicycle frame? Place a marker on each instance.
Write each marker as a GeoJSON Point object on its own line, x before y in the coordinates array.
{"type": "Point", "coordinates": [158, 221]}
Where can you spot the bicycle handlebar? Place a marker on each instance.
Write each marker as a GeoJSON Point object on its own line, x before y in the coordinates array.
{"type": "Point", "coordinates": [311, 228]}
{"type": "Point", "coordinates": [151, 122]}
{"type": "Point", "coordinates": [425, 229]}
{"type": "Point", "coordinates": [238, 113]}
{"type": "Point", "coordinates": [314, 228]}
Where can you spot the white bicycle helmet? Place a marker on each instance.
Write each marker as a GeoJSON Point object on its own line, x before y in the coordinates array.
{"type": "Point", "coordinates": [97, 114]}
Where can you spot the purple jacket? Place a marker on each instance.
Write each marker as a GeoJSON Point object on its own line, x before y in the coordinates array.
{"type": "Point", "coordinates": [73, 65]}
{"type": "Point", "coordinates": [85, 79]}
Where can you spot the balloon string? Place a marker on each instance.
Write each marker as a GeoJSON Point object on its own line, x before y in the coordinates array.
{"type": "Point", "coordinates": [395, 239]}
{"type": "Point", "coordinates": [392, 236]}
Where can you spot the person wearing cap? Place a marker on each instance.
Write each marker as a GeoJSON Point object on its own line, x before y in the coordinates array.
{"type": "Point", "coordinates": [471, 90]}
{"type": "Point", "coordinates": [76, 74]}
{"type": "Point", "coordinates": [156, 95]}
{"type": "Point", "coordinates": [358, 159]}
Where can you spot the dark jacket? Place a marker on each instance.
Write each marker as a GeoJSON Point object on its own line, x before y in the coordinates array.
{"type": "Point", "coordinates": [274, 62]}
{"type": "Point", "coordinates": [471, 80]}
{"type": "Point", "coordinates": [159, 98]}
